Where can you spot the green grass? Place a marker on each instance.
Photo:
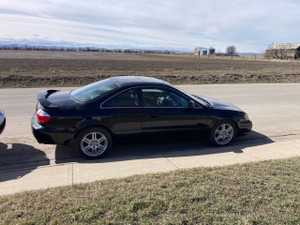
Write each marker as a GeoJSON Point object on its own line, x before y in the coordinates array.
{"type": "Point", "coordinates": [255, 193]}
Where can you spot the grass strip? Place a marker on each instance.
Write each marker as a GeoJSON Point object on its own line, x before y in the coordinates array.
{"type": "Point", "coordinates": [254, 193]}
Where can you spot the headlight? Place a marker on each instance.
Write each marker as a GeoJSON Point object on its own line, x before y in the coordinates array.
{"type": "Point", "coordinates": [246, 117]}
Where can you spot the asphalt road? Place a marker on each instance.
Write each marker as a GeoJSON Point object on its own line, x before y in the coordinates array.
{"type": "Point", "coordinates": [273, 108]}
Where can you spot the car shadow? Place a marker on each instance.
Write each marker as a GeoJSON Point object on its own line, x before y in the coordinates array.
{"type": "Point", "coordinates": [17, 160]}
{"type": "Point", "coordinates": [162, 148]}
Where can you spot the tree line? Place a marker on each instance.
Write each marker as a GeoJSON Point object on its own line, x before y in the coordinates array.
{"type": "Point", "coordinates": [81, 49]}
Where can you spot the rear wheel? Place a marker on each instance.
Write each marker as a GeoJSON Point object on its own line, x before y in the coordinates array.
{"type": "Point", "coordinates": [223, 133]}
{"type": "Point", "coordinates": [94, 142]}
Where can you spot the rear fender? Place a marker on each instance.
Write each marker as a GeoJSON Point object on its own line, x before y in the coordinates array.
{"type": "Point", "coordinates": [91, 123]}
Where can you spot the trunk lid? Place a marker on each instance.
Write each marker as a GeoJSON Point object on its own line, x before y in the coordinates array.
{"type": "Point", "coordinates": [54, 99]}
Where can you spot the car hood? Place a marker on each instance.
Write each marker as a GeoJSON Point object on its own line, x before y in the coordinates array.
{"type": "Point", "coordinates": [1, 112]}
{"type": "Point", "coordinates": [218, 104]}
{"type": "Point", "coordinates": [1, 116]}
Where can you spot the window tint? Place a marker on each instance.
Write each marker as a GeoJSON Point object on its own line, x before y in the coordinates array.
{"type": "Point", "coordinates": [163, 98]}
{"type": "Point", "coordinates": [126, 99]}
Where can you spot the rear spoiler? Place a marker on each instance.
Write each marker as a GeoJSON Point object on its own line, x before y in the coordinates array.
{"type": "Point", "coordinates": [42, 98]}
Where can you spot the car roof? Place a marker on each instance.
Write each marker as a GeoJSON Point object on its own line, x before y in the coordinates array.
{"type": "Point", "coordinates": [125, 81]}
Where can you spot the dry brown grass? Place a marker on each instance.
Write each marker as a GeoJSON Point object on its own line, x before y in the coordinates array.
{"type": "Point", "coordinates": [253, 193]}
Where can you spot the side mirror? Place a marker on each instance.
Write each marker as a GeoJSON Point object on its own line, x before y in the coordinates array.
{"type": "Point", "coordinates": [191, 104]}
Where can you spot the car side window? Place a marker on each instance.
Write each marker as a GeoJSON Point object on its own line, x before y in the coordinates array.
{"type": "Point", "coordinates": [156, 97]}
{"type": "Point", "coordinates": [125, 99]}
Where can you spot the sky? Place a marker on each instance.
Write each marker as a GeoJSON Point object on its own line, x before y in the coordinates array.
{"type": "Point", "coordinates": [249, 25]}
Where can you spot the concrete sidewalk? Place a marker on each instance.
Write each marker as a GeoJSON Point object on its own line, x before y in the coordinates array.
{"type": "Point", "coordinates": [87, 171]}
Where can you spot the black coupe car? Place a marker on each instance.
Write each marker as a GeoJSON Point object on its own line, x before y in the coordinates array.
{"type": "Point", "coordinates": [2, 121]}
{"type": "Point", "coordinates": [97, 114]}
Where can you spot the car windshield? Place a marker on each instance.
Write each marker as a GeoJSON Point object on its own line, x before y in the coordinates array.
{"type": "Point", "coordinates": [92, 91]}
{"type": "Point", "coordinates": [197, 99]}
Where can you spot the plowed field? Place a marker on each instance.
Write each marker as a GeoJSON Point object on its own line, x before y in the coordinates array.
{"type": "Point", "coordinates": [41, 68]}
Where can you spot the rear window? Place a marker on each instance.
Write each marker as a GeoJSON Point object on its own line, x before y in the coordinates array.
{"type": "Point", "coordinates": [92, 91]}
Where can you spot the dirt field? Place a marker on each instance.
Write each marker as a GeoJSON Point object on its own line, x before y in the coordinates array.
{"type": "Point", "coordinates": [36, 69]}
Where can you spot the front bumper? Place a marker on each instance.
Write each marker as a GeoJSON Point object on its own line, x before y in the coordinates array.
{"type": "Point", "coordinates": [245, 127]}
{"type": "Point", "coordinates": [46, 135]}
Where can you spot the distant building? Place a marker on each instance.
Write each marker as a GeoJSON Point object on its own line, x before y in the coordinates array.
{"type": "Point", "coordinates": [211, 51]}
{"type": "Point", "coordinates": [283, 51]}
{"type": "Point", "coordinates": [200, 51]}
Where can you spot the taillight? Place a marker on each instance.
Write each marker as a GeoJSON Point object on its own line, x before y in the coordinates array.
{"type": "Point", "coordinates": [42, 116]}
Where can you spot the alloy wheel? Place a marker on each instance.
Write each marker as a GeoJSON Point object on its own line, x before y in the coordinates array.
{"type": "Point", "coordinates": [93, 144]}
{"type": "Point", "coordinates": [223, 134]}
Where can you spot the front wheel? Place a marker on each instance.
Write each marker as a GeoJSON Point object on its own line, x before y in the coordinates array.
{"type": "Point", "coordinates": [223, 133]}
{"type": "Point", "coordinates": [94, 142]}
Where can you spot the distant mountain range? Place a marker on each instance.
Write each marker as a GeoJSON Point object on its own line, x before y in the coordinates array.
{"type": "Point", "coordinates": [66, 46]}
{"type": "Point", "coordinates": [86, 49]}
{"type": "Point", "coordinates": [44, 45]}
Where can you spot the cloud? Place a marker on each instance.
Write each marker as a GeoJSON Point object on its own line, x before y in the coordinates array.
{"type": "Point", "coordinates": [177, 24]}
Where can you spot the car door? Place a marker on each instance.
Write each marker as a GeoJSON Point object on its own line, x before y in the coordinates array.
{"type": "Point", "coordinates": [167, 110]}
{"type": "Point", "coordinates": [122, 113]}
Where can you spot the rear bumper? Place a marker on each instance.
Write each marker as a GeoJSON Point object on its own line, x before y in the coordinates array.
{"type": "Point", "coordinates": [2, 125]}
{"type": "Point", "coordinates": [245, 127]}
{"type": "Point", "coordinates": [46, 135]}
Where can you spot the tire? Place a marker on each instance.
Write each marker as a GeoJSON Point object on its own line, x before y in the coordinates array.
{"type": "Point", "coordinates": [223, 133]}
{"type": "Point", "coordinates": [93, 143]}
